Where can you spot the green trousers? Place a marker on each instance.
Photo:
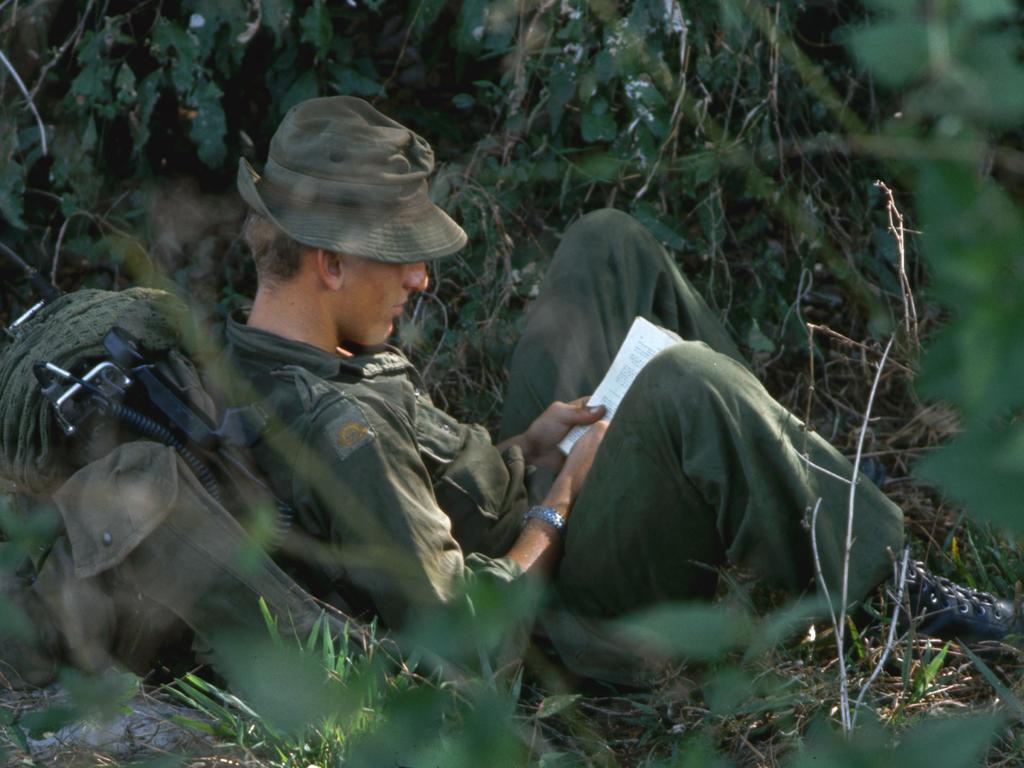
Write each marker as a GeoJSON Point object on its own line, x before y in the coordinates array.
{"type": "Point", "coordinates": [700, 466]}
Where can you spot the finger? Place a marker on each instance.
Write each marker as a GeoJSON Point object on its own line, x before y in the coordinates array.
{"type": "Point", "coordinates": [581, 413]}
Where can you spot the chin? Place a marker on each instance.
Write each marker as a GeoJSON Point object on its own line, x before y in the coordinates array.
{"type": "Point", "coordinates": [376, 339]}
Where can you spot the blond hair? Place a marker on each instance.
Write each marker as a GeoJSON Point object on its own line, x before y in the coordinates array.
{"type": "Point", "coordinates": [277, 256]}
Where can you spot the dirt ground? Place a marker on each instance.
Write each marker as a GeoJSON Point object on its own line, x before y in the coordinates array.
{"type": "Point", "coordinates": [146, 727]}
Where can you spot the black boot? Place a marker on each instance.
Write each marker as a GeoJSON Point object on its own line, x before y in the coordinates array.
{"type": "Point", "coordinates": [941, 608]}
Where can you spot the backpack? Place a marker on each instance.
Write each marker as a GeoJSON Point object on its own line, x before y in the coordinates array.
{"type": "Point", "coordinates": [94, 368]}
{"type": "Point", "coordinates": [96, 397]}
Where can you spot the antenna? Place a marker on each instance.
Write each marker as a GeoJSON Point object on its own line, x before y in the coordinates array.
{"type": "Point", "coordinates": [40, 285]}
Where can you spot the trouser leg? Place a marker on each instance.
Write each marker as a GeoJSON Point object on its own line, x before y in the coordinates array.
{"type": "Point", "coordinates": [606, 271]}
{"type": "Point", "coordinates": [701, 466]}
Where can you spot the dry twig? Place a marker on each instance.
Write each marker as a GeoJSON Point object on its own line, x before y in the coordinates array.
{"type": "Point", "coordinates": [28, 100]}
{"type": "Point", "coordinates": [847, 340]}
{"type": "Point", "coordinates": [896, 227]}
{"type": "Point", "coordinates": [844, 692]}
{"type": "Point", "coordinates": [901, 583]}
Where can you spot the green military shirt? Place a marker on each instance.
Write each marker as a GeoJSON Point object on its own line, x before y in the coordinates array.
{"type": "Point", "coordinates": [409, 502]}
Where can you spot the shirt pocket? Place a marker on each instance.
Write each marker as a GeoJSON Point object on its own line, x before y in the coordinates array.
{"type": "Point", "coordinates": [439, 439]}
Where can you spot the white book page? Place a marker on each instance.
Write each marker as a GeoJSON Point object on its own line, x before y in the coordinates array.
{"type": "Point", "coordinates": [644, 341]}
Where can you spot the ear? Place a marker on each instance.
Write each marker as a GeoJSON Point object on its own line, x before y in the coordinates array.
{"type": "Point", "coordinates": [330, 269]}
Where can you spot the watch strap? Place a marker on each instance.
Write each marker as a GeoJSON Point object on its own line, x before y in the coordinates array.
{"type": "Point", "coordinates": [549, 515]}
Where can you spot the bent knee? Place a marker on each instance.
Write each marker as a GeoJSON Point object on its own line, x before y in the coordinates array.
{"type": "Point", "coordinates": [690, 369]}
{"type": "Point", "coordinates": [604, 220]}
{"type": "Point", "coordinates": [611, 226]}
{"type": "Point", "coordinates": [612, 234]}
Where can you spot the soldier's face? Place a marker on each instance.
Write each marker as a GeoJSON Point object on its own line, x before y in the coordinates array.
{"type": "Point", "coordinates": [373, 295]}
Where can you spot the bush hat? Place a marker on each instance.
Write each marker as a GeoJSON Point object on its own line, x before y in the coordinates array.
{"type": "Point", "coordinates": [343, 177]}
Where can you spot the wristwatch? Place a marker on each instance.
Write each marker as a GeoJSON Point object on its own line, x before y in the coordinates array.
{"type": "Point", "coordinates": [548, 514]}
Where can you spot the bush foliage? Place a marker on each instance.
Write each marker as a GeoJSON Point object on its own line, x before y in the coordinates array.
{"type": "Point", "coordinates": [746, 135]}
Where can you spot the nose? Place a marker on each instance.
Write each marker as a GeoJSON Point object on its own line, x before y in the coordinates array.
{"type": "Point", "coordinates": [416, 278]}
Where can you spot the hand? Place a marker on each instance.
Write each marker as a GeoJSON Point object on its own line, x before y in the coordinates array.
{"type": "Point", "coordinates": [540, 441]}
{"type": "Point", "coordinates": [577, 466]}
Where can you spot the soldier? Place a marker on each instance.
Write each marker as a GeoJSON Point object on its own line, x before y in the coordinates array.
{"type": "Point", "coordinates": [397, 507]}
{"type": "Point", "coordinates": [699, 467]}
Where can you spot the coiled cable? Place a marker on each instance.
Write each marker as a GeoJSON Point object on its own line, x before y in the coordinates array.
{"type": "Point", "coordinates": [154, 429]}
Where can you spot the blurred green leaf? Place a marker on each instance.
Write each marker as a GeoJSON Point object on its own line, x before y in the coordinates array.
{"type": "Point", "coordinates": [413, 723]}
{"type": "Point", "coordinates": [316, 28]}
{"type": "Point", "coordinates": [303, 87]}
{"type": "Point", "coordinates": [486, 735]}
{"type": "Point", "coordinates": [102, 696]}
{"type": "Point", "coordinates": [561, 87]}
{"type": "Point", "coordinates": [757, 341]}
{"type": "Point", "coordinates": [728, 689]}
{"type": "Point", "coordinates": [48, 720]}
{"type": "Point", "coordinates": [289, 688]}
{"type": "Point", "coordinates": [351, 82]}
{"type": "Point", "coordinates": [786, 622]}
{"type": "Point", "coordinates": [209, 126]}
{"type": "Point", "coordinates": [984, 471]}
{"type": "Point", "coordinates": [694, 631]}
{"type": "Point", "coordinates": [125, 85]}
{"type": "Point", "coordinates": [598, 126]}
{"type": "Point", "coordinates": [472, 26]}
{"type": "Point", "coordinates": [422, 15]}
{"type": "Point", "coordinates": [605, 67]}
{"type": "Point", "coordinates": [216, 14]}
{"type": "Point", "coordinates": [648, 215]}
{"type": "Point", "coordinates": [895, 51]}
{"type": "Point", "coordinates": [987, 10]}
{"type": "Point", "coordinates": [952, 742]}
{"type": "Point", "coordinates": [172, 45]}
{"type": "Point", "coordinates": [12, 188]}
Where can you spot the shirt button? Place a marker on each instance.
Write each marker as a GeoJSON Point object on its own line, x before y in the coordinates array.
{"type": "Point", "coordinates": [446, 428]}
{"type": "Point", "coordinates": [107, 539]}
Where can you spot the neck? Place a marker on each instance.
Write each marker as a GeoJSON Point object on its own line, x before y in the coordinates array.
{"type": "Point", "coordinates": [291, 312]}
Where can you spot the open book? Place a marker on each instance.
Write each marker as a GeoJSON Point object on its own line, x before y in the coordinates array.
{"type": "Point", "coordinates": [644, 341]}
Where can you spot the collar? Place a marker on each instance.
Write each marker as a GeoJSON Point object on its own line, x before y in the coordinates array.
{"type": "Point", "coordinates": [367, 363]}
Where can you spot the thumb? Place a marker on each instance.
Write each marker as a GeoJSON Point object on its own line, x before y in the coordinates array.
{"type": "Point", "coordinates": [581, 413]}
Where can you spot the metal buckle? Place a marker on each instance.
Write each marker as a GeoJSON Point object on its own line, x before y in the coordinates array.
{"type": "Point", "coordinates": [105, 377]}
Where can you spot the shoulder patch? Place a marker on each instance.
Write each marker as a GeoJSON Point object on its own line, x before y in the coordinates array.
{"type": "Point", "coordinates": [348, 430]}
